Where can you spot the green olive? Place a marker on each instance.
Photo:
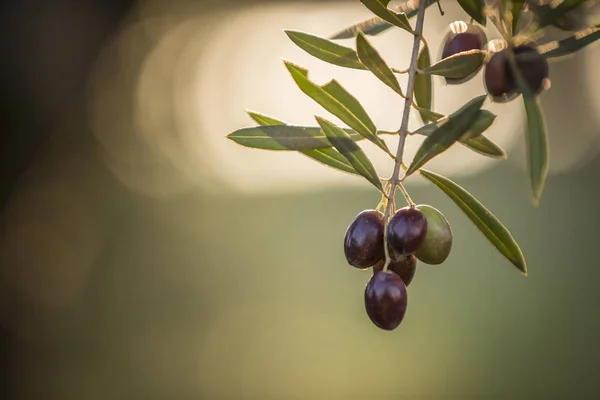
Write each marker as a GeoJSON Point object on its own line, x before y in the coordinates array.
{"type": "Point", "coordinates": [438, 240]}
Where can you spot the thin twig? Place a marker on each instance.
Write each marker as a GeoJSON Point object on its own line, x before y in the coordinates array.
{"type": "Point", "coordinates": [440, 8]}
{"type": "Point", "coordinates": [403, 131]}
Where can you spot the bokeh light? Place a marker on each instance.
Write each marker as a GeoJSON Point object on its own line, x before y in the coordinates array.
{"type": "Point", "coordinates": [193, 79]}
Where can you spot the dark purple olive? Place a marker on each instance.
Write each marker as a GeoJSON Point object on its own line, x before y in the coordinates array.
{"type": "Point", "coordinates": [363, 243]}
{"type": "Point", "coordinates": [533, 67]}
{"type": "Point", "coordinates": [406, 230]}
{"type": "Point", "coordinates": [385, 300]}
{"type": "Point", "coordinates": [463, 37]}
{"type": "Point", "coordinates": [405, 268]}
{"type": "Point", "coordinates": [496, 77]}
{"type": "Point", "coordinates": [499, 80]}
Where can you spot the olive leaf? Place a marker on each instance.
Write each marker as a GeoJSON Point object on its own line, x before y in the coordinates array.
{"type": "Point", "coordinates": [374, 63]}
{"type": "Point", "coordinates": [331, 158]}
{"type": "Point", "coordinates": [263, 119]}
{"type": "Point", "coordinates": [483, 121]}
{"type": "Point", "coordinates": [484, 146]}
{"type": "Point", "coordinates": [458, 65]}
{"type": "Point", "coordinates": [537, 146]}
{"type": "Point", "coordinates": [483, 218]}
{"type": "Point", "coordinates": [428, 115]}
{"type": "Point", "coordinates": [509, 8]}
{"type": "Point", "coordinates": [456, 127]}
{"type": "Point", "coordinates": [517, 7]}
{"type": "Point", "coordinates": [376, 25]}
{"type": "Point", "coordinates": [475, 9]}
{"type": "Point", "coordinates": [372, 26]}
{"type": "Point", "coordinates": [553, 13]}
{"type": "Point", "coordinates": [277, 135]}
{"type": "Point", "coordinates": [325, 49]}
{"type": "Point", "coordinates": [335, 99]}
{"type": "Point", "coordinates": [283, 137]}
{"type": "Point", "coordinates": [327, 155]}
{"type": "Point", "coordinates": [571, 44]}
{"type": "Point", "coordinates": [379, 8]}
{"type": "Point", "coordinates": [351, 151]}
{"type": "Point", "coordinates": [536, 138]}
{"type": "Point", "coordinates": [423, 85]}
{"type": "Point", "coordinates": [474, 140]}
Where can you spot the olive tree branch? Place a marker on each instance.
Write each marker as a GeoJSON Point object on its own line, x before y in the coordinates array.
{"type": "Point", "coordinates": [403, 131]}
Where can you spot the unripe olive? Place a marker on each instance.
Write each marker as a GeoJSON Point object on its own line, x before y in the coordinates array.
{"type": "Point", "coordinates": [438, 239]}
{"type": "Point", "coordinates": [363, 242]}
{"type": "Point", "coordinates": [463, 37]}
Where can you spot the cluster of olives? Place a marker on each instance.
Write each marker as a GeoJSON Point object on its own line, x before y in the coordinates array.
{"type": "Point", "coordinates": [499, 81]}
{"type": "Point", "coordinates": [413, 233]}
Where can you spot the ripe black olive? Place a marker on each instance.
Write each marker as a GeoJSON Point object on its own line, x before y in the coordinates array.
{"type": "Point", "coordinates": [406, 230]}
{"type": "Point", "coordinates": [363, 243]}
{"type": "Point", "coordinates": [386, 300]}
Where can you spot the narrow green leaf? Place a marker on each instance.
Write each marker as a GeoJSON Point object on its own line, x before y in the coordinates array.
{"type": "Point", "coordinates": [483, 121]}
{"type": "Point", "coordinates": [476, 141]}
{"type": "Point", "coordinates": [278, 135]}
{"type": "Point", "coordinates": [331, 158]}
{"type": "Point", "coordinates": [537, 146]}
{"type": "Point", "coordinates": [455, 128]}
{"type": "Point", "coordinates": [571, 44]}
{"type": "Point", "coordinates": [335, 99]}
{"type": "Point", "coordinates": [376, 25]}
{"type": "Point", "coordinates": [327, 155]}
{"type": "Point", "coordinates": [483, 218]}
{"type": "Point", "coordinates": [555, 14]}
{"type": "Point", "coordinates": [423, 85]}
{"type": "Point", "coordinates": [379, 8]}
{"type": "Point", "coordinates": [264, 120]}
{"type": "Point", "coordinates": [283, 137]}
{"type": "Point", "coordinates": [374, 63]}
{"type": "Point", "coordinates": [325, 49]}
{"type": "Point", "coordinates": [353, 153]}
{"type": "Point", "coordinates": [484, 146]}
{"type": "Point", "coordinates": [372, 26]}
{"type": "Point", "coordinates": [428, 115]}
{"type": "Point", "coordinates": [536, 138]}
{"type": "Point", "coordinates": [458, 65]}
{"type": "Point", "coordinates": [517, 7]}
{"type": "Point", "coordinates": [475, 9]}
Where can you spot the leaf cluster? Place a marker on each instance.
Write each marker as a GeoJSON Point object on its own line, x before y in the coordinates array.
{"type": "Point", "coordinates": [338, 148]}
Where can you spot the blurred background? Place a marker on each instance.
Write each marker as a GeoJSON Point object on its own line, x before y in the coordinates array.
{"type": "Point", "coordinates": [144, 256]}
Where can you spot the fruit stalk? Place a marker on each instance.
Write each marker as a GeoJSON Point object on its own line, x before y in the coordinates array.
{"type": "Point", "coordinates": [403, 131]}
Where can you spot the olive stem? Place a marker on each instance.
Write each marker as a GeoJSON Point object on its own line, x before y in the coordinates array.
{"type": "Point", "coordinates": [403, 131]}
{"type": "Point", "coordinates": [410, 202]}
{"type": "Point", "coordinates": [501, 28]}
{"type": "Point", "coordinates": [440, 8]}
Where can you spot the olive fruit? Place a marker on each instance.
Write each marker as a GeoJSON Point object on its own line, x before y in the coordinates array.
{"type": "Point", "coordinates": [533, 67]}
{"type": "Point", "coordinates": [405, 268]}
{"type": "Point", "coordinates": [497, 77]}
{"type": "Point", "coordinates": [406, 230]}
{"type": "Point", "coordinates": [499, 81]}
{"type": "Point", "coordinates": [363, 243]}
{"type": "Point", "coordinates": [438, 239]}
{"type": "Point", "coordinates": [463, 37]}
{"type": "Point", "coordinates": [385, 300]}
